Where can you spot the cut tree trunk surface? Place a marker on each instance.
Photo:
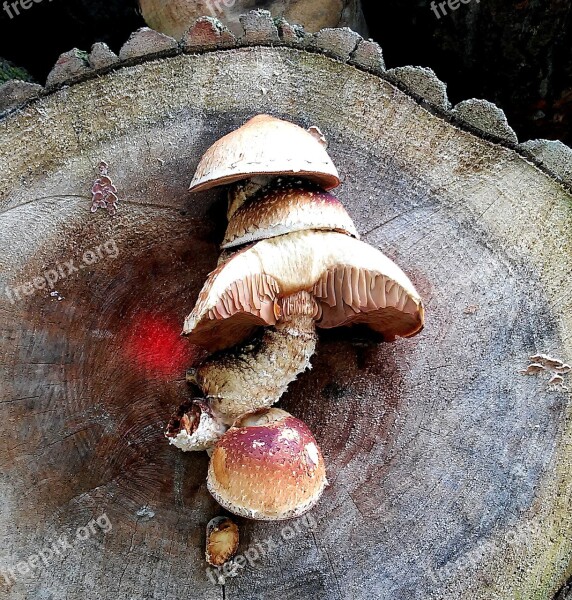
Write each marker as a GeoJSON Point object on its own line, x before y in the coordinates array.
{"type": "Point", "coordinates": [450, 471]}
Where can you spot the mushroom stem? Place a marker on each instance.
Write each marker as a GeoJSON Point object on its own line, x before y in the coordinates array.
{"type": "Point", "coordinates": [255, 376]}
{"type": "Point", "coordinates": [193, 427]}
{"type": "Point", "coordinates": [248, 377]}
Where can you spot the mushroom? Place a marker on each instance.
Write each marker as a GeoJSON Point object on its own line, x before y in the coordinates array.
{"type": "Point", "coordinates": [241, 191]}
{"type": "Point", "coordinates": [222, 541]}
{"type": "Point", "coordinates": [290, 284]}
{"type": "Point", "coordinates": [193, 427]}
{"type": "Point", "coordinates": [262, 147]}
{"type": "Point", "coordinates": [267, 467]}
{"type": "Point", "coordinates": [291, 263]}
{"type": "Point", "coordinates": [284, 206]}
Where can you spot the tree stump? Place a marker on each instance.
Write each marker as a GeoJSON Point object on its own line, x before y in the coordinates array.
{"type": "Point", "coordinates": [450, 469]}
{"type": "Point", "coordinates": [174, 17]}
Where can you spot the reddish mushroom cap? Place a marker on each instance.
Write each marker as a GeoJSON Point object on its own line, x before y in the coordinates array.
{"type": "Point", "coordinates": [267, 467]}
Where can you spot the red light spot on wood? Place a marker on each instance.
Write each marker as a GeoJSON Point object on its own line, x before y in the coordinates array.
{"type": "Point", "coordinates": [155, 344]}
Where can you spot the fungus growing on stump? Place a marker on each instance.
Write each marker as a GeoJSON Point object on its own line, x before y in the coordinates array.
{"type": "Point", "coordinates": [266, 146]}
{"type": "Point", "coordinates": [267, 467]}
{"type": "Point", "coordinates": [285, 206]}
{"type": "Point", "coordinates": [292, 263]}
{"type": "Point", "coordinates": [291, 284]}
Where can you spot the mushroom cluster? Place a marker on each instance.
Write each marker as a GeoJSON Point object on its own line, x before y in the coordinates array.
{"type": "Point", "coordinates": [291, 263]}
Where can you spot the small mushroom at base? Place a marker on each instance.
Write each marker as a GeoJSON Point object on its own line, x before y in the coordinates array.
{"type": "Point", "coordinates": [222, 541]}
{"type": "Point", "coordinates": [267, 467]}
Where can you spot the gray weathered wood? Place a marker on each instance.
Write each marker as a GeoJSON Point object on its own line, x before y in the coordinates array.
{"type": "Point", "coordinates": [450, 471]}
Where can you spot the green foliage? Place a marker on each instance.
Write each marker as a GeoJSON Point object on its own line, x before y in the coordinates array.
{"type": "Point", "coordinates": [9, 71]}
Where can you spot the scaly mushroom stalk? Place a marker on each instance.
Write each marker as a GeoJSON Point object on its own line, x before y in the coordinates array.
{"type": "Point", "coordinates": [249, 378]}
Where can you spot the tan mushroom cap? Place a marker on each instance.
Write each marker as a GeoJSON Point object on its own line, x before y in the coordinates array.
{"type": "Point", "coordinates": [284, 207]}
{"type": "Point", "coordinates": [265, 146]}
{"type": "Point", "coordinates": [268, 466]}
{"type": "Point", "coordinates": [223, 539]}
{"type": "Point", "coordinates": [352, 283]}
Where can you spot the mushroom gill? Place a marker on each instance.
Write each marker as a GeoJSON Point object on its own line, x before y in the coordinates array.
{"type": "Point", "coordinates": [290, 285]}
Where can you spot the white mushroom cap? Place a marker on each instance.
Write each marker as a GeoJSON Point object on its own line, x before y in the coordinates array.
{"type": "Point", "coordinates": [265, 145]}
{"type": "Point", "coordinates": [351, 282]}
{"type": "Point", "coordinates": [268, 466]}
{"type": "Point", "coordinates": [285, 206]}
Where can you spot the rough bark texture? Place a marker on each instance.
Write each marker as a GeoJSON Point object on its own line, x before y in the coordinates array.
{"type": "Point", "coordinates": [38, 35]}
{"type": "Point", "coordinates": [517, 54]}
{"type": "Point", "coordinates": [9, 71]}
{"type": "Point", "coordinates": [450, 471]}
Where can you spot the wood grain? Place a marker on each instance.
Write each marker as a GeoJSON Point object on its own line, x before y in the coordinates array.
{"type": "Point", "coordinates": [450, 471]}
